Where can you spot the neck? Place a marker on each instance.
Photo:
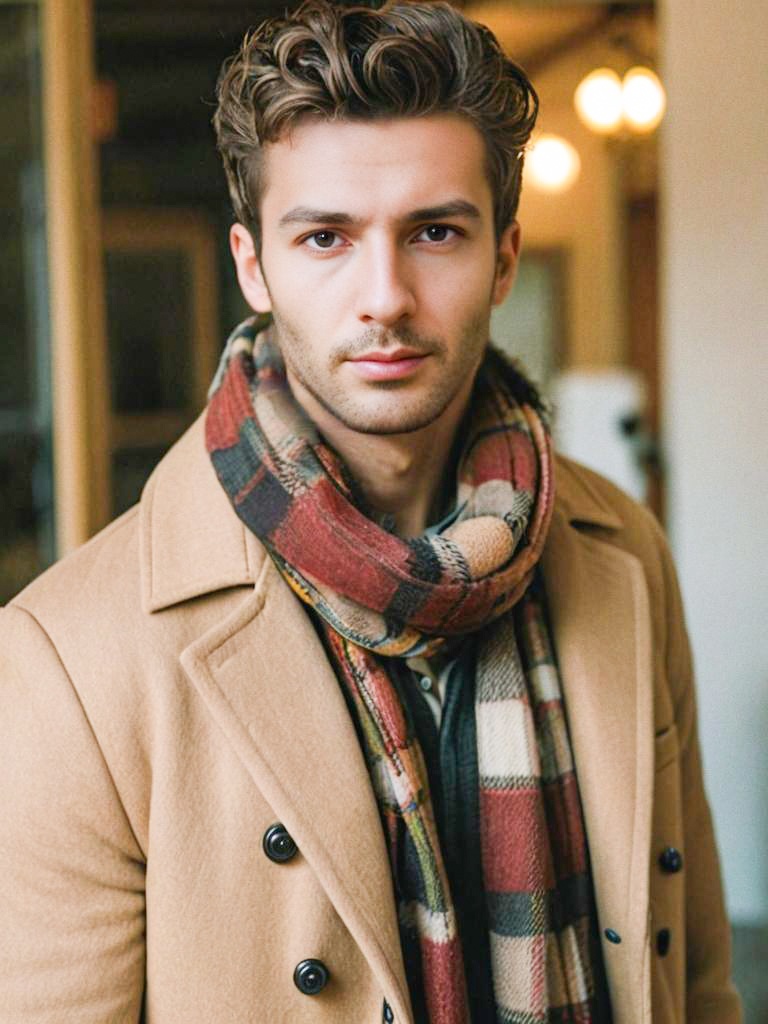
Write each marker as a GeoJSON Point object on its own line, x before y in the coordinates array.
{"type": "Point", "coordinates": [400, 475]}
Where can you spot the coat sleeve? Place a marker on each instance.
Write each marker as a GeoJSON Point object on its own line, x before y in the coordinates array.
{"type": "Point", "coordinates": [710, 995]}
{"type": "Point", "coordinates": [72, 873]}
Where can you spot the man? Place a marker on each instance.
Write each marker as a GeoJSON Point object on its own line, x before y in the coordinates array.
{"type": "Point", "coordinates": [369, 710]}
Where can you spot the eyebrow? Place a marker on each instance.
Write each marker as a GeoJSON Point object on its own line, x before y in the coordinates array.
{"type": "Point", "coordinates": [456, 208]}
{"type": "Point", "coordinates": [310, 215]}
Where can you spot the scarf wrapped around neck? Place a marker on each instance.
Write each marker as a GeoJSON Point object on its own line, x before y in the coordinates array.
{"type": "Point", "coordinates": [380, 596]}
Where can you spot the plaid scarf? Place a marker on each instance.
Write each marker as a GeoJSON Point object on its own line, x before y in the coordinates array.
{"type": "Point", "coordinates": [377, 594]}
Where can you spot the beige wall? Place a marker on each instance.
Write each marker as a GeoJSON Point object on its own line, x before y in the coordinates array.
{"type": "Point", "coordinates": [587, 221]}
{"type": "Point", "coordinates": [715, 343]}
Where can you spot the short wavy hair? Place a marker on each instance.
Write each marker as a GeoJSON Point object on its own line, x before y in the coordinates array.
{"type": "Point", "coordinates": [356, 63]}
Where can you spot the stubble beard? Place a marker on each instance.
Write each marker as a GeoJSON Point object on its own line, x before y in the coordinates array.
{"type": "Point", "coordinates": [414, 412]}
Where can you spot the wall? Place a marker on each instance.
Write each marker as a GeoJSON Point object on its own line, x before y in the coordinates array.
{"type": "Point", "coordinates": [586, 221]}
{"type": "Point", "coordinates": [715, 340]}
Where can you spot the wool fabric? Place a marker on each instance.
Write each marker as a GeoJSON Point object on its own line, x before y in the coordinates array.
{"type": "Point", "coordinates": [380, 595]}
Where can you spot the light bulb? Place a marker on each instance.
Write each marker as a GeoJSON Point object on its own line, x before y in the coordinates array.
{"type": "Point", "coordinates": [643, 99]}
{"type": "Point", "coordinates": [553, 164]}
{"type": "Point", "coordinates": [598, 101]}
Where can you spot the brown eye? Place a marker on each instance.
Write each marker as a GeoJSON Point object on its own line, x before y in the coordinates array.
{"type": "Point", "coordinates": [324, 239]}
{"type": "Point", "coordinates": [437, 232]}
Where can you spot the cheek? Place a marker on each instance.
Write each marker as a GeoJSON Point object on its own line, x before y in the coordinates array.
{"type": "Point", "coordinates": [304, 285]}
{"type": "Point", "coordinates": [465, 292]}
{"type": "Point", "coordinates": [466, 276]}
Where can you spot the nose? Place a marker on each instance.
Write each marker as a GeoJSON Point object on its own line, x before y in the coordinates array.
{"type": "Point", "coordinates": [386, 293]}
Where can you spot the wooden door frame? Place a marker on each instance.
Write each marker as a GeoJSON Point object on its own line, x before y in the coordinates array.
{"type": "Point", "coordinates": [80, 442]}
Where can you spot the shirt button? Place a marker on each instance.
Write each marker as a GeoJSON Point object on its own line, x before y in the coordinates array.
{"type": "Point", "coordinates": [662, 941]}
{"type": "Point", "coordinates": [612, 936]}
{"type": "Point", "coordinates": [278, 844]}
{"type": "Point", "coordinates": [388, 1015]}
{"type": "Point", "coordinates": [311, 977]}
{"type": "Point", "coordinates": [671, 860]}
{"type": "Point", "coordinates": [425, 683]}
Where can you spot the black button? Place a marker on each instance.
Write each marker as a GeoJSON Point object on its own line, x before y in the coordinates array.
{"type": "Point", "coordinates": [612, 936]}
{"type": "Point", "coordinates": [671, 860]}
{"type": "Point", "coordinates": [311, 977]}
{"type": "Point", "coordinates": [388, 1015]}
{"type": "Point", "coordinates": [662, 941]}
{"type": "Point", "coordinates": [278, 845]}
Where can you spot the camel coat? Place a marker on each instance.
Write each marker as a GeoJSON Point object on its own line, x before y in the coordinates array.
{"type": "Point", "coordinates": [165, 700]}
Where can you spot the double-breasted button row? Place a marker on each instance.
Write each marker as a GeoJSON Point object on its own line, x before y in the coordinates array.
{"type": "Point", "coordinates": [310, 976]}
{"type": "Point", "coordinates": [278, 844]}
{"type": "Point", "coordinates": [670, 862]}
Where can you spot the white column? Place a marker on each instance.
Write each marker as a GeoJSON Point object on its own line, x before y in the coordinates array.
{"type": "Point", "coordinates": [715, 379]}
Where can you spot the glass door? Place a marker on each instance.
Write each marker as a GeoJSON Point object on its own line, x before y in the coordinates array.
{"type": "Point", "coordinates": [27, 535]}
{"type": "Point", "coordinates": [54, 486]}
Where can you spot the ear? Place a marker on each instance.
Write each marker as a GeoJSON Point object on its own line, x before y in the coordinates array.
{"type": "Point", "coordinates": [506, 262]}
{"type": "Point", "coordinates": [249, 275]}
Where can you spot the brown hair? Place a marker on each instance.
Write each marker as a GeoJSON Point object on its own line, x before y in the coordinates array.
{"type": "Point", "coordinates": [402, 60]}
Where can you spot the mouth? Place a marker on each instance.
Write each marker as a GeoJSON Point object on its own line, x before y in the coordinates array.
{"type": "Point", "coordinates": [393, 355]}
{"type": "Point", "coordinates": [394, 364]}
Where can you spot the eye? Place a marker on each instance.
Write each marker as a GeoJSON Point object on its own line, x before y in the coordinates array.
{"type": "Point", "coordinates": [323, 240]}
{"type": "Point", "coordinates": [437, 233]}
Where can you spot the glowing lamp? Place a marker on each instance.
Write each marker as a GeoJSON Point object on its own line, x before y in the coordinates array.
{"type": "Point", "coordinates": [643, 99]}
{"type": "Point", "coordinates": [553, 165]}
{"type": "Point", "coordinates": [599, 101]}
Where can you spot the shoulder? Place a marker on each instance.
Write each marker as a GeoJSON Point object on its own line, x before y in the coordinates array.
{"type": "Point", "coordinates": [604, 514]}
{"type": "Point", "coordinates": [140, 575]}
{"type": "Point", "coordinates": [591, 501]}
{"type": "Point", "coordinates": [80, 626]}
{"type": "Point", "coordinates": [107, 565]}
{"type": "Point", "coordinates": [118, 612]}
{"type": "Point", "coordinates": [596, 506]}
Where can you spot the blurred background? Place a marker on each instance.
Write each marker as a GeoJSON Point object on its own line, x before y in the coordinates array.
{"type": "Point", "coordinates": [641, 305]}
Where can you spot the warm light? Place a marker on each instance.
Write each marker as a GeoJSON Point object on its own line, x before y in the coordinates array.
{"type": "Point", "coordinates": [643, 99]}
{"type": "Point", "coordinates": [606, 103]}
{"type": "Point", "coordinates": [598, 100]}
{"type": "Point", "coordinates": [553, 164]}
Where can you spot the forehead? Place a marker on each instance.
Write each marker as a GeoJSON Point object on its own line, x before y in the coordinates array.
{"type": "Point", "coordinates": [386, 167]}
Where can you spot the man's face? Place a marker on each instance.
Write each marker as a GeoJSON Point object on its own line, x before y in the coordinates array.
{"type": "Point", "coordinates": [380, 265]}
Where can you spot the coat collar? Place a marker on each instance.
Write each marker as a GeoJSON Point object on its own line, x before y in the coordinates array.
{"type": "Point", "coordinates": [184, 506]}
{"type": "Point", "coordinates": [191, 543]}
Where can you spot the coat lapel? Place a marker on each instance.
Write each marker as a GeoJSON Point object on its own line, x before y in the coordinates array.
{"type": "Point", "coordinates": [598, 603]}
{"type": "Point", "coordinates": [267, 682]}
{"type": "Point", "coordinates": [268, 685]}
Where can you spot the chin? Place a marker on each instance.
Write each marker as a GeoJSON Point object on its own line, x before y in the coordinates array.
{"type": "Point", "coordinates": [390, 412]}
{"type": "Point", "coordinates": [389, 423]}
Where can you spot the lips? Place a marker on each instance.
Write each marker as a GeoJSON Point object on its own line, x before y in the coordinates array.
{"type": "Point", "coordinates": [394, 364]}
{"type": "Point", "coordinates": [394, 355]}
